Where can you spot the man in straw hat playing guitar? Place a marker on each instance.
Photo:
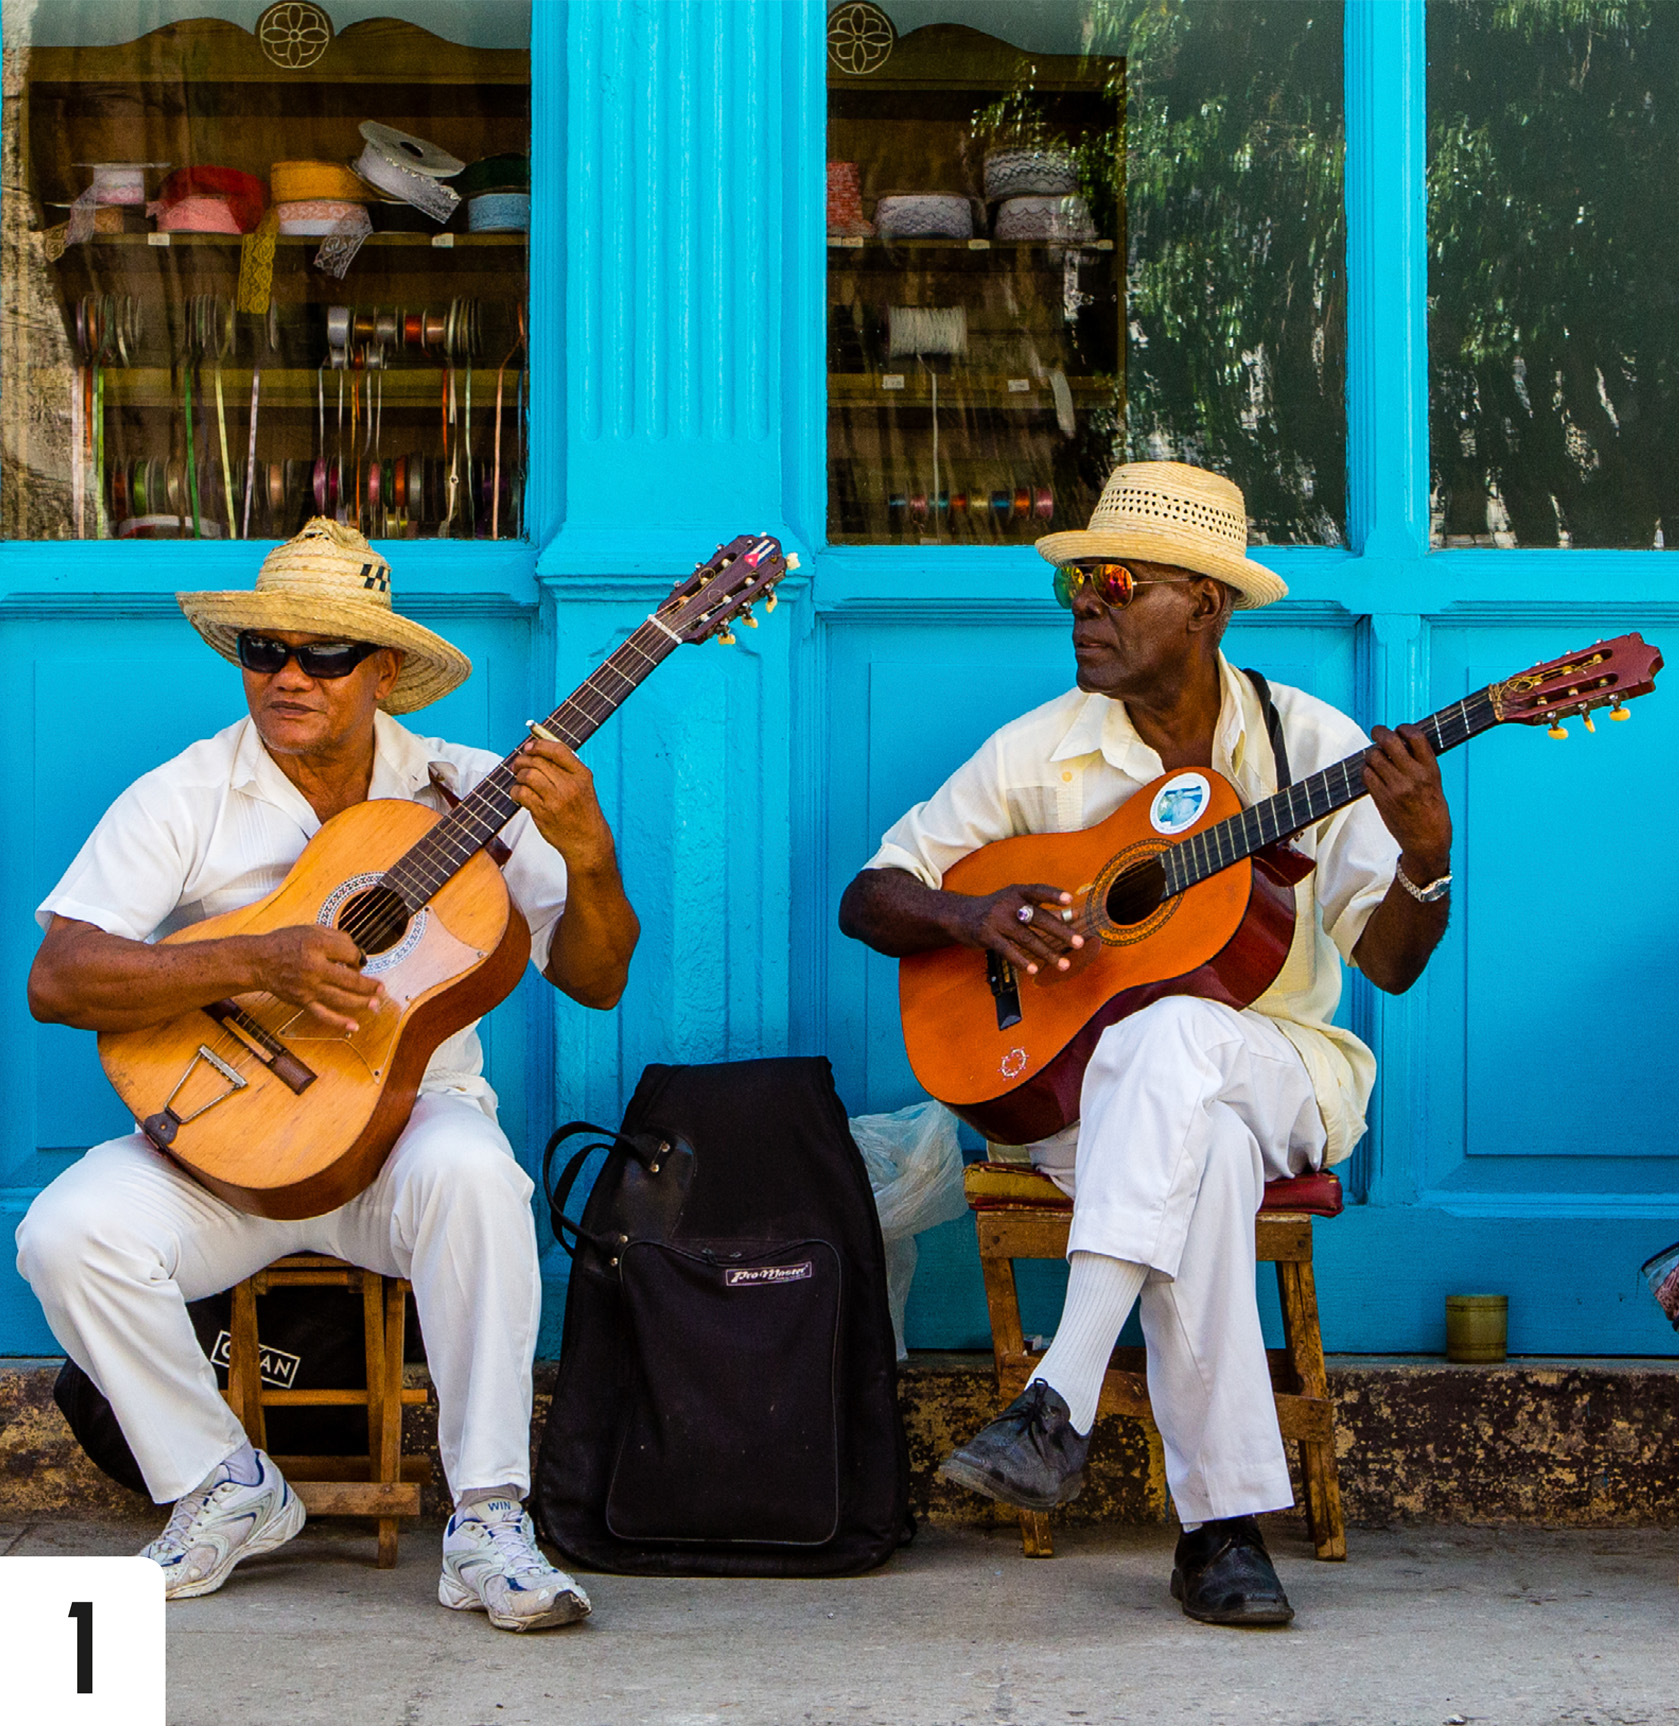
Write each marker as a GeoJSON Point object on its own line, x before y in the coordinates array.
{"type": "Point", "coordinates": [1188, 1107]}
{"type": "Point", "coordinates": [121, 1241]}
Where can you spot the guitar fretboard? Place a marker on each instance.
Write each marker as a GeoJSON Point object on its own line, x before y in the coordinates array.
{"type": "Point", "coordinates": [482, 814]}
{"type": "Point", "coordinates": [1308, 800]}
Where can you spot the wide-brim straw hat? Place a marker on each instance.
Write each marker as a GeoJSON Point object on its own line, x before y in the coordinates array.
{"type": "Point", "coordinates": [327, 580]}
{"type": "Point", "coordinates": [1170, 512]}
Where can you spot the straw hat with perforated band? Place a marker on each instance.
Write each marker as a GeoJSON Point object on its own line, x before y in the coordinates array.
{"type": "Point", "coordinates": [327, 580]}
{"type": "Point", "coordinates": [1169, 512]}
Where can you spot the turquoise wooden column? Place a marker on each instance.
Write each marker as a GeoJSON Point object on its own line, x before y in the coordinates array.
{"type": "Point", "coordinates": [692, 159]}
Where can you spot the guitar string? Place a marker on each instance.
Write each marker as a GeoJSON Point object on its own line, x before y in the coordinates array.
{"type": "Point", "coordinates": [1204, 851]}
{"type": "Point", "coordinates": [465, 830]}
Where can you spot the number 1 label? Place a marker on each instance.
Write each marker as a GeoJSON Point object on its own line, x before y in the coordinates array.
{"type": "Point", "coordinates": [81, 1640]}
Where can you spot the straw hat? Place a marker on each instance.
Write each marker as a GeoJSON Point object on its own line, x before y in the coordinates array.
{"type": "Point", "coordinates": [1169, 512]}
{"type": "Point", "coordinates": [327, 580]}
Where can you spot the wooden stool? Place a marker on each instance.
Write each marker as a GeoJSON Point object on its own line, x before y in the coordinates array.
{"type": "Point", "coordinates": [383, 1484]}
{"type": "Point", "coordinates": [1021, 1214]}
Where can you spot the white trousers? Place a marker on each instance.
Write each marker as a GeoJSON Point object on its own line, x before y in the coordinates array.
{"type": "Point", "coordinates": [1188, 1109]}
{"type": "Point", "coordinates": [123, 1239]}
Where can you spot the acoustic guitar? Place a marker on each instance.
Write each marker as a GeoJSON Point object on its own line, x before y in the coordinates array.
{"type": "Point", "coordinates": [283, 1116]}
{"type": "Point", "coordinates": [1181, 891]}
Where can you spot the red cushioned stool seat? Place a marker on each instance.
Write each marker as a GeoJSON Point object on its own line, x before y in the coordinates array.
{"type": "Point", "coordinates": [1022, 1214]}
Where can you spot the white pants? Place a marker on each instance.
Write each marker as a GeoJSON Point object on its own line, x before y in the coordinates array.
{"type": "Point", "coordinates": [1188, 1109]}
{"type": "Point", "coordinates": [123, 1239]}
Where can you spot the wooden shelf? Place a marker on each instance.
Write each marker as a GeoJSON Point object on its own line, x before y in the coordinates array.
{"type": "Point", "coordinates": [452, 242]}
{"type": "Point", "coordinates": [873, 243]}
{"type": "Point", "coordinates": [294, 387]}
{"type": "Point", "coordinates": [966, 390]}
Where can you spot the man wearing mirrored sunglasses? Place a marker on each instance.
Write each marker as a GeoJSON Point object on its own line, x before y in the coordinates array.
{"type": "Point", "coordinates": [124, 1238]}
{"type": "Point", "coordinates": [1188, 1106]}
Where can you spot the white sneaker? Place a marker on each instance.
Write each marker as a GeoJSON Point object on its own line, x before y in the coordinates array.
{"type": "Point", "coordinates": [217, 1527]}
{"type": "Point", "coordinates": [491, 1564]}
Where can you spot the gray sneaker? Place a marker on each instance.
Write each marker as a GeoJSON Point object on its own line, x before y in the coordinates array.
{"type": "Point", "coordinates": [1029, 1456]}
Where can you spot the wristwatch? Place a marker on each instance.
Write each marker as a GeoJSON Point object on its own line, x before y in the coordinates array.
{"type": "Point", "coordinates": [1435, 890]}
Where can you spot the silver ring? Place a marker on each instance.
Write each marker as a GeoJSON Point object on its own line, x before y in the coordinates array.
{"type": "Point", "coordinates": [1024, 913]}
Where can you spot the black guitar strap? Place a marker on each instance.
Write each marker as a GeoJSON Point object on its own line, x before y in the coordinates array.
{"type": "Point", "coordinates": [1273, 727]}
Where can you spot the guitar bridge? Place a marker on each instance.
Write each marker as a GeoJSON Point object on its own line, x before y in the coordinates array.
{"type": "Point", "coordinates": [1005, 989]}
{"type": "Point", "coordinates": [162, 1127]}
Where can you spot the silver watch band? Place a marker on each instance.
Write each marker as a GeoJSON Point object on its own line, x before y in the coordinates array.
{"type": "Point", "coordinates": [1435, 890]}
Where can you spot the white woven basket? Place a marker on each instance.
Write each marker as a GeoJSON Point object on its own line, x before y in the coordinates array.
{"type": "Point", "coordinates": [1041, 218]}
{"type": "Point", "coordinates": [1028, 172]}
{"type": "Point", "coordinates": [924, 216]}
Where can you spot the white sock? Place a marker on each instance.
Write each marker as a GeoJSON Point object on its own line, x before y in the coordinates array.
{"type": "Point", "coordinates": [242, 1468]}
{"type": "Point", "coordinates": [1100, 1295]}
{"type": "Point", "coordinates": [483, 1494]}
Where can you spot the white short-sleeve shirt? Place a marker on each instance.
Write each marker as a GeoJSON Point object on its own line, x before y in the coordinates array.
{"type": "Point", "coordinates": [1072, 762]}
{"type": "Point", "coordinates": [220, 826]}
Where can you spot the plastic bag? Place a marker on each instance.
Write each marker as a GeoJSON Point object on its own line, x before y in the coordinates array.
{"type": "Point", "coordinates": [915, 1169]}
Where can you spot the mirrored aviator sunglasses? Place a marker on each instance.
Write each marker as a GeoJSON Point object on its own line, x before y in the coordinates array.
{"type": "Point", "coordinates": [326, 660]}
{"type": "Point", "coordinates": [1112, 583]}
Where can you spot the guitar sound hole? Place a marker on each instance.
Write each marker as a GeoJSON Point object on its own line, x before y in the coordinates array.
{"type": "Point", "coordinates": [374, 920]}
{"type": "Point", "coordinates": [1137, 892]}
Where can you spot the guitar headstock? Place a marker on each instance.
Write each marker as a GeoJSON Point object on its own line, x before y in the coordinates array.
{"type": "Point", "coordinates": [726, 587]}
{"type": "Point", "coordinates": [1606, 674]}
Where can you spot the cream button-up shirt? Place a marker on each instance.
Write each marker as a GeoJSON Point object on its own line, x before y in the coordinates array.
{"type": "Point", "coordinates": [221, 825]}
{"type": "Point", "coordinates": [1072, 762]}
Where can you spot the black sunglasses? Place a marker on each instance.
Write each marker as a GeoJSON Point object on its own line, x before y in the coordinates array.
{"type": "Point", "coordinates": [318, 659]}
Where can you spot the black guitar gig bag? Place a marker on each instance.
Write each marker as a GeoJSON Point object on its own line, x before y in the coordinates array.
{"type": "Point", "coordinates": [726, 1403]}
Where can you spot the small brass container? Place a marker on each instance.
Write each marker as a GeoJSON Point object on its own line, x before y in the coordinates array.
{"type": "Point", "coordinates": [1477, 1327]}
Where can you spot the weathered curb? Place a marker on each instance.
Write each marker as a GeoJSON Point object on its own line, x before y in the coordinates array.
{"type": "Point", "coordinates": [1563, 1443]}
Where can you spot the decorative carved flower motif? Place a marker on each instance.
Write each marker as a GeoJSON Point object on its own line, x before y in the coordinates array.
{"type": "Point", "coordinates": [294, 34]}
{"type": "Point", "coordinates": [860, 38]}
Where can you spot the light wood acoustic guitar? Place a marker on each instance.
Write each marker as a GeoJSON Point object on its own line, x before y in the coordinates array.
{"type": "Point", "coordinates": [283, 1116]}
{"type": "Point", "coordinates": [1181, 891]}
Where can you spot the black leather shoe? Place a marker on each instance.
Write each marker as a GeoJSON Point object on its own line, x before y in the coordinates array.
{"type": "Point", "coordinates": [1222, 1574]}
{"type": "Point", "coordinates": [1029, 1456]}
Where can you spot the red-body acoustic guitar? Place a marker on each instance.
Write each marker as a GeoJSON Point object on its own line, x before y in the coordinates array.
{"type": "Point", "coordinates": [284, 1117]}
{"type": "Point", "coordinates": [1181, 891]}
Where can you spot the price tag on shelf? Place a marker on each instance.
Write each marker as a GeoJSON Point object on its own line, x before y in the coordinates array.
{"type": "Point", "coordinates": [1104, 245]}
{"type": "Point", "coordinates": [979, 245]}
{"type": "Point", "coordinates": [846, 242]}
{"type": "Point", "coordinates": [445, 241]}
{"type": "Point", "coordinates": [1020, 386]}
{"type": "Point", "coordinates": [158, 239]}
{"type": "Point", "coordinates": [891, 380]}
{"type": "Point", "coordinates": [81, 1640]}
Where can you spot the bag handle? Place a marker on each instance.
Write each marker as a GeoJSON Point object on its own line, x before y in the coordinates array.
{"type": "Point", "coordinates": [646, 1148]}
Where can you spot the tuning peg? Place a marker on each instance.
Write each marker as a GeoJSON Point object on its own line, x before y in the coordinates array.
{"type": "Point", "coordinates": [1588, 719]}
{"type": "Point", "coordinates": [1619, 710]}
{"type": "Point", "coordinates": [747, 618]}
{"type": "Point", "coordinates": [791, 560]}
{"type": "Point", "coordinates": [1557, 731]}
{"type": "Point", "coordinates": [770, 601]}
{"type": "Point", "coordinates": [726, 636]}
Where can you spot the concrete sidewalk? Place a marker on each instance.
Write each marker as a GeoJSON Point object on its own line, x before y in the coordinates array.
{"type": "Point", "coordinates": [1422, 1627]}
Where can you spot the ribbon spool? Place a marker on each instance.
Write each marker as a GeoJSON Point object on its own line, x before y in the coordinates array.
{"type": "Point", "coordinates": [315, 218]}
{"type": "Point", "coordinates": [276, 487]}
{"type": "Point", "coordinates": [1022, 501]}
{"type": "Point", "coordinates": [413, 329]}
{"type": "Point", "coordinates": [308, 182]}
{"type": "Point", "coordinates": [1043, 503]}
{"type": "Point", "coordinates": [958, 503]}
{"type": "Point", "coordinates": [409, 168]}
{"type": "Point", "coordinates": [499, 213]}
{"type": "Point", "coordinates": [918, 505]}
{"type": "Point", "coordinates": [1001, 502]}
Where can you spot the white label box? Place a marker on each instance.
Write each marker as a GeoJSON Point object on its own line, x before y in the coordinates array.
{"type": "Point", "coordinates": [82, 1640]}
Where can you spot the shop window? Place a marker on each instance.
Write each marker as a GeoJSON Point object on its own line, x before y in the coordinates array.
{"type": "Point", "coordinates": [1074, 233]}
{"type": "Point", "coordinates": [1553, 349]}
{"type": "Point", "coordinates": [264, 265]}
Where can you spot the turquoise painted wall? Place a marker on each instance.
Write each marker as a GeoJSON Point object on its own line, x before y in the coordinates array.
{"type": "Point", "coordinates": [1520, 1138]}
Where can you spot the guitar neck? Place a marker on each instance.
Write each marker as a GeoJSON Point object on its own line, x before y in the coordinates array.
{"type": "Point", "coordinates": [1309, 800]}
{"type": "Point", "coordinates": [482, 814]}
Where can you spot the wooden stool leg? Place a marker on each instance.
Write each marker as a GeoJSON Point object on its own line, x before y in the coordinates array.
{"type": "Point", "coordinates": [244, 1365]}
{"type": "Point", "coordinates": [390, 1413]}
{"type": "Point", "coordinates": [1318, 1469]}
{"type": "Point", "coordinates": [1036, 1541]}
{"type": "Point", "coordinates": [1002, 1300]}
